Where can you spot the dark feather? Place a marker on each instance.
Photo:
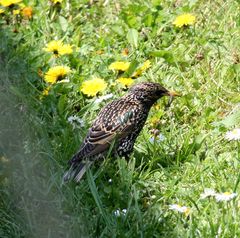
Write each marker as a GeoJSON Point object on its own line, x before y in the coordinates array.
{"type": "Point", "coordinates": [117, 126]}
{"type": "Point", "coordinates": [99, 138]}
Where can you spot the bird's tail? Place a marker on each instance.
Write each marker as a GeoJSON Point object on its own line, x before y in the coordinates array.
{"type": "Point", "coordinates": [76, 171]}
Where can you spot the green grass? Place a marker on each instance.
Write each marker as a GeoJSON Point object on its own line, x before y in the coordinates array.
{"type": "Point", "coordinates": [202, 62]}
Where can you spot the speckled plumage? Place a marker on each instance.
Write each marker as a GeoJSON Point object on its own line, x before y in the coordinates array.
{"type": "Point", "coordinates": [118, 123]}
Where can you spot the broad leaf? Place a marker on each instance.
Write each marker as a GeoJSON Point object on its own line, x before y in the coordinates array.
{"type": "Point", "coordinates": [132, 37]}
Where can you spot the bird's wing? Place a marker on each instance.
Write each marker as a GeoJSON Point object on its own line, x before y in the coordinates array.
{"type": "Point", "coordinates": [115, 121]}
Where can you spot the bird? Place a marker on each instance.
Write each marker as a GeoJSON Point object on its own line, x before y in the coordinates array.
{"type": "Point", "coordinates": [116, 127]}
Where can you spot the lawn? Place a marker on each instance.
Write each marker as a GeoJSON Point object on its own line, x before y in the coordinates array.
{"type": "Point", "coordinates": [182, 179]}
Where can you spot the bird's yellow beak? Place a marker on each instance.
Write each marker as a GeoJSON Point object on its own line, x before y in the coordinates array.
{"type": "Point", "coordinates": [173, 94]}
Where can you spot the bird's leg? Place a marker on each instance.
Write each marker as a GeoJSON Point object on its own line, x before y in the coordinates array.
{"type": "Point", "coordinates": [126, 157]}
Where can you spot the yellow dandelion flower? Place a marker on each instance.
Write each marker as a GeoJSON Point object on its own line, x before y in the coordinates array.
{"type": "Point", "coordinates": [8, 3]}
{"type": "Point", "coordinates": [93, 86]}
{"type": "Point", "coordinates": [144, 67]}
{"type": "Point", "coordinates": [99, 52]}
{"type": "Point", "coordinates": [184, 20]}
{"type": "Point", "coordinates": [154, 121]}
{"type": "Point", "coordinates": [45, 92]}
{"type": "Point", "coordinates": [58, 48]}
{"type": "Point", "coordinates": [21, 5]}
{"type": "Point", "coordinates": [157, 107]}
{"type": "Point", "coordinates": [16, 12]}
{"type": "Point", "coordinates": [54, 46]}
{"type": "Point", "coordinates": [126, 82]}
{"type": "Point", "coordinates": [66, 50]}
{"type": "Point", "coordinates": [119, 65]}
{"type": "Point", "coordinates": [57, 73]}
{"type": "Point", "coordinates": [1, 11]}
{"type": "Point", "coordinates": [27, 12]}
{"type": "Point", "coordinates": [187, 212]}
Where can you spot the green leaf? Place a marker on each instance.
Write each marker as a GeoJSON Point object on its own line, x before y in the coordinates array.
{"type": "Point", "coordinates": [148, 20]}
{"type": "Point", "coordinates": [63, 23]}
{"type": "Point", "coordinates": [167, 55]}
{"type": "Point", "coordinates": [118, 30]}
{"type": "Point", "coordinates": [134, 64]}
{"type": "Point", "coordinates": [132, 37]}
{"type": "Point", "coordinates": [230, 120]}
{"type": "Point", "coordinates": [62, 103]}
{"type": "Point", "coordinates": [156, 2]}
{"type": "Point", "coordinates": [137, 8]}
{"type": "Point", "coordinates": [97, 198]}
{"type": "Point", "coordinates": [132, 21]}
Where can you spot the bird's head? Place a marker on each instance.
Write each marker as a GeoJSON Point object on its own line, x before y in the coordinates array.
{"type": "Point", "coordinates": [150, 92]}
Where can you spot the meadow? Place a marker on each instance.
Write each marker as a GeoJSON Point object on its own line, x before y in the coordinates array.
{"type": "Point", "coordinates": [62, 61]}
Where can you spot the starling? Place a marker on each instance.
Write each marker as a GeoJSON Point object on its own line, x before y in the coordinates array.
{"type": "Point", "coordinates": [116, 127]}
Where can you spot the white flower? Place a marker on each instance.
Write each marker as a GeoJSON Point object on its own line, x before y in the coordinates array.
{"type": "Point", "coordinates": [102, 98]}
{"type": "Point", "coordinates": [124, 211]}
{"type": "Point", "coordinates": [181, 209]}
{"type": "Point", "coordinates": [152, 139]}
{"type": "Point", "coordinates": [158, 138]}
{"type": "Point", "coordinates": [75, 121]}
{"type": "Point", "coordinates": [208, 192]}
{"type": "Point", "coordinates": [161, 137]}
{"type": "Point", "coordinates": [233, 135]}
{"type": "Point", "coordinates": [225, 196]}
{"type": "Point", "coordinates": [118, 213]}
{"type": "Point", "coordinates": [64, 81]}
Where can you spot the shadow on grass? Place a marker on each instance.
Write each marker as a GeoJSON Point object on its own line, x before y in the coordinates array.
{"type": "Point", "coordinates": [31, 202]}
